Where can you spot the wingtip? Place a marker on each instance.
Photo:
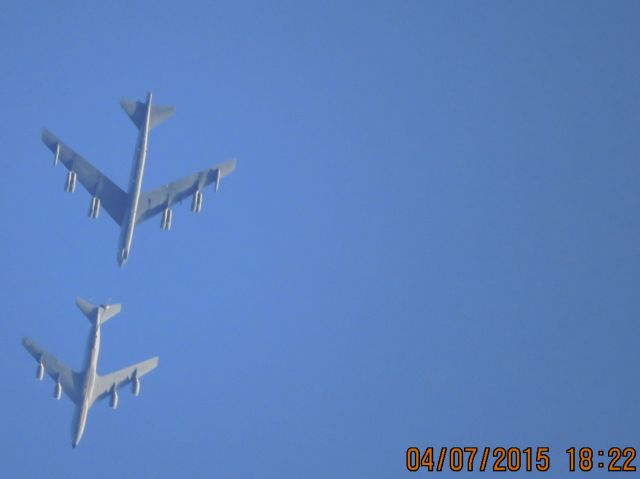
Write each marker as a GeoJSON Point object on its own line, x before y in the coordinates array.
{"type": "Point", "coordinates": [227, 167]}
{"type": "Point", "coordinates": [46, 135]}
{"type": "Point", "coordinates": [113, 309]}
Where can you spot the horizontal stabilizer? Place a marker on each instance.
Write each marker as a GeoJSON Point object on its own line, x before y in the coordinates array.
{"type": "Point", "coordinates": [102, 312]}
{"type": "Point", "coordinates": [137, 112]}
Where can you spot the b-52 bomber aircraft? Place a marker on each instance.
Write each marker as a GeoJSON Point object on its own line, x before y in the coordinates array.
{"type": "Point", "coordinates": [132, 207]}
{"type": "Point", "coordinates": [87, 387]}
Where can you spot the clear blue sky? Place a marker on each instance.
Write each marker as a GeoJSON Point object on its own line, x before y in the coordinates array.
{"type": "Point", "coordinates": [431, 237]}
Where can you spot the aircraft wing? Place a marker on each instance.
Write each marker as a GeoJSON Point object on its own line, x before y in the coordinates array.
{"type": "Point", "coordinates": [97, 184]}
{"type": "Point", "coordinates": [155, 201]}
{"type": "Point", "coordinates": [104, 384]}
{"type": "Point", "coordinates": [70, 380]}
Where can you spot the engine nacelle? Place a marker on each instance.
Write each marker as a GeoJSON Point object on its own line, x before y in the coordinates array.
{"type": "Point", "coordinates": [135, 386]}
{"type": "Point", "coordinates": [218, 180]}
{"type": "Point", "coordinates": [196, 205]}
{"type": "Point", "coordinates": [114, 399]}
{"type": "Point", "coordinates": [57, 390]}
{"type": "Point", "coordinates": [70, 185]}
{"type": "Point", "coordinates": [167, 216]}
{"type": "Point", "coordinates": [40, 371]}
{"type": "Point", "coordinates": [94, 207]}
{"type": "Point", "coordinates": [56, 157]}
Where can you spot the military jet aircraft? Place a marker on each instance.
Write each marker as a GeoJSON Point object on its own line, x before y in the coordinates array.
{"type": "Point", "coordinates": [86, 387]}
{"type": "Point", "coordinates": [132, 207]}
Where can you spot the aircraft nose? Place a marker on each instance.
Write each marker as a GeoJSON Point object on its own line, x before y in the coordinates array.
{"type": "Point", "coordinates": [122, 257]}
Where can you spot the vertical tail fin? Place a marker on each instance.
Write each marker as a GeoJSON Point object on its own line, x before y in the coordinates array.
{"type": "Point", "coordinates": [137, 112]}
{"type": "Point", "coordinates": [101, 313]}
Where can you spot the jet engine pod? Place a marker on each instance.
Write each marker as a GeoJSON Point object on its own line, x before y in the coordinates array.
{"type": "Point", "coordinates": [218, 178]}
{"type": "Point", "coordinates": [114, 399]}
{"type": "Point", "coordinates": [57, 390]}
{"type": "Point", "coordinates": [196, 205]}
{"type": "Point", "coordinates": [70, 185]}
{"type": "Point", "coordinates": [40, 371]}
{"type": "Point", "coordinates": [56, 157]}
{"type": "Point", "coordinates": [94, 207]}
{"type": "Point", "coordinates": [135, 386]}
{"type": "Point", "coordinates": [167, 215]}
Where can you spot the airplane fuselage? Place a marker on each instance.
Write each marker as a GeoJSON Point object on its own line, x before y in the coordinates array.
{"type": "Point", "coordinates": [135, 187]}
{"type": "Point", "coordinates": [86, 386]}
{"type": "Point", "coordinates": [88, 382]}
{"type": "Point", "coordinates": [130, 206]}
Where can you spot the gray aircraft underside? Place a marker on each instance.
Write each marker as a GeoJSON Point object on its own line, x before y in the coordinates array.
{"type": "Point", "coordinates": [132, 207]}
{"type": "Point", "coordinates": [87, 387]}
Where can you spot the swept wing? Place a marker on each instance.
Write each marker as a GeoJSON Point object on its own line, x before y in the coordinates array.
{"type": "Point", "coordinates": [155, 201]}
{"type": "Point", "coordinates": [70, 381]}
{"type": "Point", "coordinates": [111, 196]}
{"type": "Point", "coordinates": [105, 384]}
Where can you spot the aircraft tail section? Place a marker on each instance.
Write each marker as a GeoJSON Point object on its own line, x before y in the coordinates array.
{"type": "Point", "coordinates": [102, 313]}
{"type": "Point", "coordinates": [137, 112]}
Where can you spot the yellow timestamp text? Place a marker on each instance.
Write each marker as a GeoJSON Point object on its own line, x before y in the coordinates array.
{"type": "Point", "coordinates": [514, 459]}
